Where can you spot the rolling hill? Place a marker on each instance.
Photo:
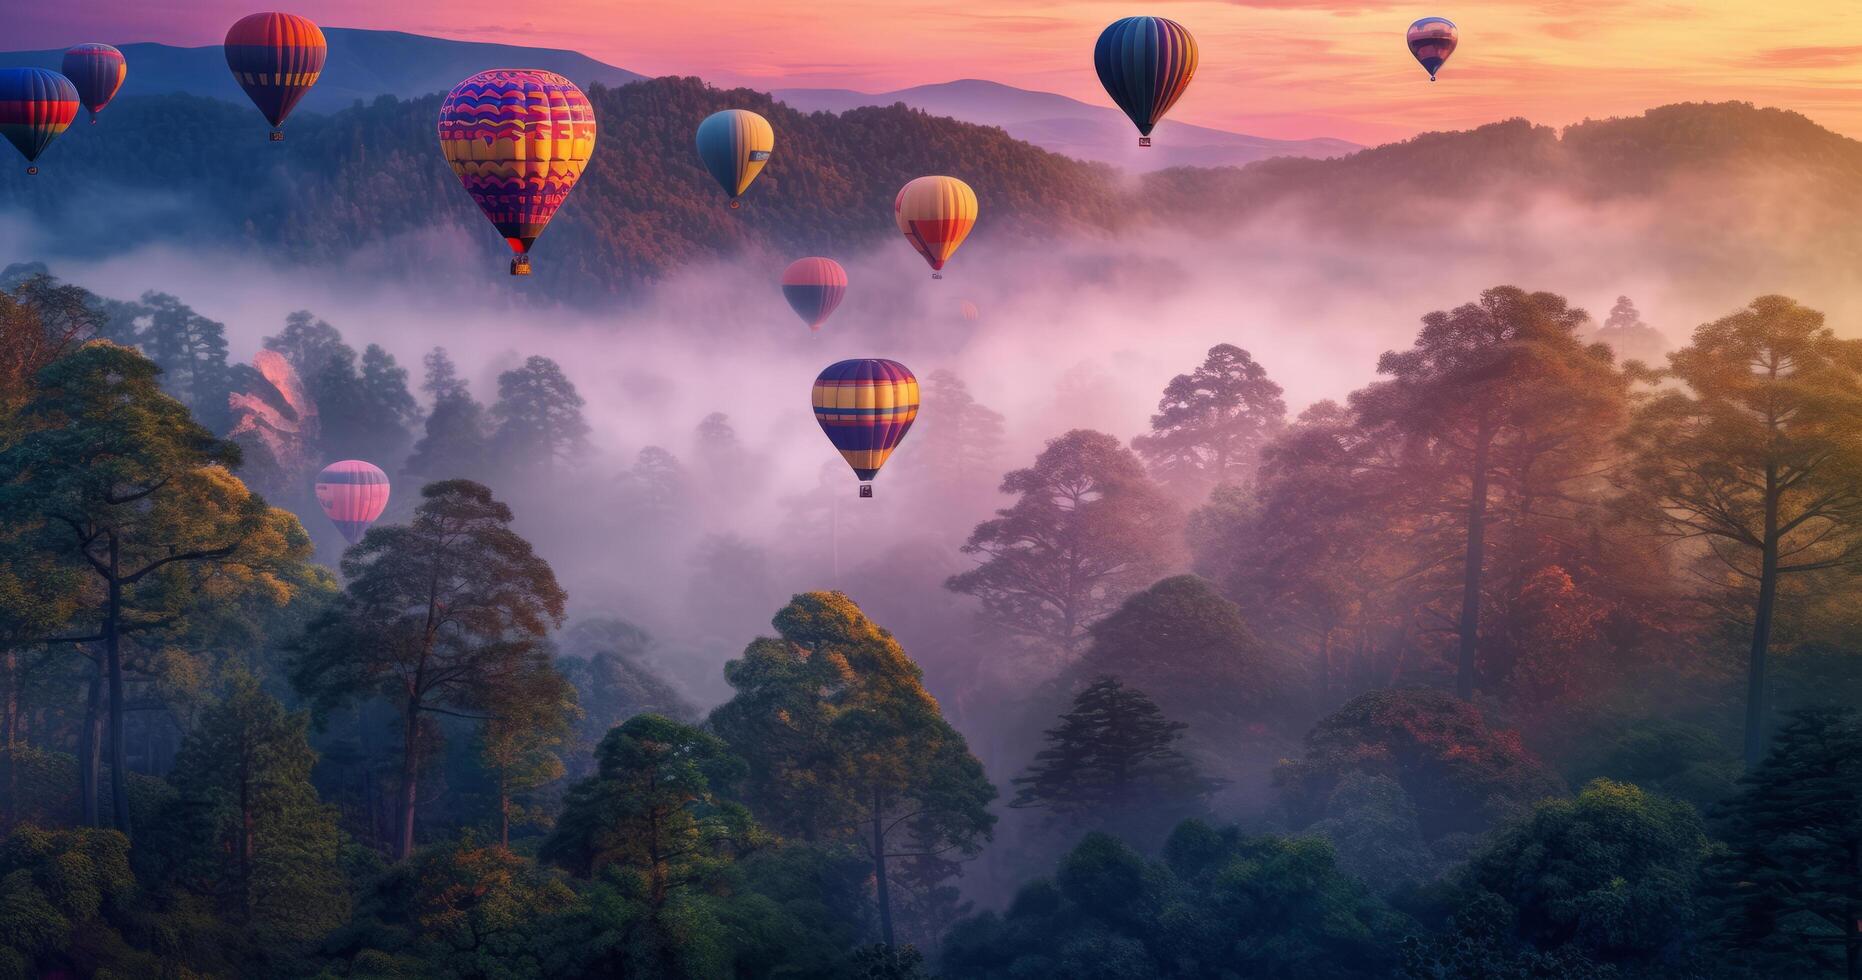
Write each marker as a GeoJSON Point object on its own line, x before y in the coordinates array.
{"type": "Point", "coordinates": [1069, 126]}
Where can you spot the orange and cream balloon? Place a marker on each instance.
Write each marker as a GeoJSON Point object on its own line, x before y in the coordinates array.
{"type": "Point", "coordinates": [352, 493]}
{"type": "Point", "coordinates": [935, 214]}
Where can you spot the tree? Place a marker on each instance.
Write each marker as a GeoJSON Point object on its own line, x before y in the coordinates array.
{"type": "Point", "coordinates": [844, 744]}
{"type": "Point", "coordinates": [957, 442]}
{"type": "Point", "coordinates": [1112, 764]}
{"type": "Point", "coordinates": [539, 417]}
{"type": "Point", "coordinates": [1629, 337]}
{"type": "Point", "coordinates": [114, 477]}
{"type": "Point", "coordinates": [442, 616]}
{"type": "Point", "coordinates": [1087, 530]}
{"type": "Point", "coordinates": [518, 743]}
{"type": "Point", "coordinates": [191, 351]}
{"type": "Point", "coordinates": [308, 343]}
{"type": "Point", "coordinates": [1755, 459]}
{"type": "Point", "coordinates": [1789, 883]}
{"type": "Point", "coordinates": [40, 320]}
{"type": "Point", "coordinates": [1211, 424]}
{"type": "Point", "coordinates": [456, 443]}
{"type": "Point", "coordinates": [246, 827]}
{"type": "Point", "coordinates": [1612, 872]}
{"type": "Point", "coordinates": [1497, 396]}
{"type": "Point", "coordinates": [387, 402]}
{"type": "Point", "coordinates": [1462, 774]}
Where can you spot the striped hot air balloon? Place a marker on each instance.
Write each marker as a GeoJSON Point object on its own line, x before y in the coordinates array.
{"type": "Point", "coordinates": [276, 58]}
{"type": "Point", "coordinates": [734, 145]}
{"type": "Point", "coordinates": [935, 214]}
{"type": "Point", "coordinates": [519, 140]}
{"type": "Point", "coordinates": [814, 286]}
{"type": "Point", "coordinates": [866, 406]}
{"type": "Point", "coordinates": [1432, 40]}
{"type": "Point", "coordinates": [352, 493]}
{"type": "Point", "coordinates": [1145, 63]}
{"type": "Point", "coordinates": [35, 106]}
{"type": "Point", "coordinates": [97, 70]}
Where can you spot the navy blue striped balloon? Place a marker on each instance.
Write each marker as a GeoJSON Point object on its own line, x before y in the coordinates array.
{"type": "Point", "coordinates": [1145, 63]}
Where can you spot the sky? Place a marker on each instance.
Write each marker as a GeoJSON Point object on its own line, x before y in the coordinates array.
{"type": "Point", "coordinates": [1280, 68]}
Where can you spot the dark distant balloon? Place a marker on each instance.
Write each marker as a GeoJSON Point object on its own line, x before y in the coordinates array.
{"type": "Point", "coordinates": [97, 71]}
{"type": "Point", "coordinates": [518, 140]}
{"type": "Point", "coordinates": [1432, 40]}
{"type": "Point", "coordinates": [352, 493]}
{"type": "Point", "coordinates": [866, 406]}
{"type": "Point", "coordinates": [35, 106]}
{"type": "Point", "coordinates": [734, 145]}
{"type": "Point", "coordinates": [276, 58]}
{"type": "Point", "coordinates": [935, 214]}
{"type": "Point", "coordinates": [1145, 63]}
{"type": "Point", "coordinates": [814, 286]}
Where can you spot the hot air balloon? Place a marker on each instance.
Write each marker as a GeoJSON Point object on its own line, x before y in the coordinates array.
{"type": "Point", "coordinates": [866, 406]}
{"type": "Point", "coordinates": [97, 70]}
{"type": "Point", "coordinates": [969, 310]}
{"type": "Point", "coordinates": [734, 145]}
{"type": "Point", "coordinates": [35, 106]}
{"type": "Point", "coordinates": [814, 286]}
{"type": "Point", "coordinates": [518, 139]}
{"type": "Point", "coordinates": [352, 493]}
{"type": "Point", "coordinates": [1145, 63]}
{"type": "Point", "coordinates": [276, 58]}
{"type": "Point", "coordinates": [936, 214]}
{"type": "Point", "coordinates": [1432, 40]}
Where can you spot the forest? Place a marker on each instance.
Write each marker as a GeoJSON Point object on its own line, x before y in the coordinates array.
{"type": "Point", "coordinates": [1533, 657]}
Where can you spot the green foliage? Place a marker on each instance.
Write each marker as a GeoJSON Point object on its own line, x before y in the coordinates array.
{"type": "Point", "coordinates": [1112, 764]}
{"type": "Point", "coordinates": [1788, 884]}
{"type": "Point", "coordinates": [1672, 758]}
{"type": "Point", "coordinates": [1221, 904]}
{"type": "Point", "coordinates": [1371, 822]}
{"type": "Point", "coordinates": [1612, 872]}
{"type": "Point", "coordinates": [539, 418]}
{"type": "Point", "coordinates": [1461, 774]}
{"type": "Point", "coordinates": [1211, 424]}
{"type": "Point", "coordinates": [246, 828]}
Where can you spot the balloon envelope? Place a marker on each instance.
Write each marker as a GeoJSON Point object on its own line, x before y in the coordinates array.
{"type": "Point", "coordinates": [97, 71]}
{"type": "Point", "coordinates": [814, 286]}
{"type": "Point", "coordinates": [35, 106]}
{"type": "Point", "coordinates": [1145, 63]}
{"type": "Point", "coordinates": [352, 493]}
{"type": "Point", "coordinates": [1432, 40]}
{"type": "Point", "coordinates": [734, 145]}
{"type": "Point", "coordinates": [276, 58]}
{"type": "Point", "coordinates": [969, 310]}
{"type": "Point", "coordinates": [518, 140]}
{"type": "Point", "coordinates": [866, 406]}
{"type": "Point", "coordinates": [935, 214]}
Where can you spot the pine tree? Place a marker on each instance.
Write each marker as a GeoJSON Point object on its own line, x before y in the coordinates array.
{"type": "Point", "coordinates": [383, 386]}
{"type": "Point", "coordinates": [456, 443]}
{"type": "Point", "coordinates": [1211, 424]}
{"type": "Point", "coordinates": [308, 343]}
{"type": "Point", "coordinates": [246, 827]}
{"type": "Point", "coordinates": [539, 418]}
{"type": "Point", "coordinates": [958, 441]}
{"type": "Point", "coordinates": [191, 351]}
{"type": "Point", "coordinates": [1789, 882]}
{"type": "Point", "coordinates": [1112, 764]}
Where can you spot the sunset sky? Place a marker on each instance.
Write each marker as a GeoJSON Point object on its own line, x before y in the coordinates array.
{"type": "Point", "coordinates": [1287, 68]}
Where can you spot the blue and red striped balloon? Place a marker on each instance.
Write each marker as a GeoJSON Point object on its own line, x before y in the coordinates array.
{"type": "Point", "coordinates": [866, 406]}
{"type": "Point", "coordinates": [352, 493]}
{"type": "Point", "coordinates": [1145, 63]}
{"type": "Point", "coordinates": [814, 286]}
{"type": "Point", "coordinates": [276, 58]}
{"type": "Point", "coordinates": [36, 105]}
{"type": "Point", "coordinates": [97, 71]}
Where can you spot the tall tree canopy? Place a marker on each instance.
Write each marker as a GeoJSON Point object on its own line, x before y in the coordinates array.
{"type": "Point", "coordinates": [442, 616]}
{"type": "Point", "coordinates": [539, 417]}
{"type": "Point", "coordinates": [1211, 424]}
{"type": "Point", "coordinates": [1755, 457]}
{"type": "Point", "coordinates": [1087, 529]}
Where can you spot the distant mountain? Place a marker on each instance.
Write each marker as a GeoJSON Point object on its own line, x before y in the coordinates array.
{"type": "Point", "coordinates": [362, 65]}
{"type": "Point", "coordinates": [1077, 129]}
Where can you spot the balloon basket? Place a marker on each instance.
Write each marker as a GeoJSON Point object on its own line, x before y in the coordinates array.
{"type": "Point", "coordinates": [32, 171]}
{"type": "Point", "coordinates": [866, 490]}
{"type": "Point", "coordinates": [277, 136]}
{"type": "Point", "coordinates": [735, 204]}
{"type": "Point", "coordinates": [937, 275]}
{"type": "Point", "coordinates": [520, 266]}
{"type": "Point", "coordinates": [1144, 141]}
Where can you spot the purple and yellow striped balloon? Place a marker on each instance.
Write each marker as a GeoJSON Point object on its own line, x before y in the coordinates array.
{"type": "Point", "coordinates": [866, 406]}
{"type": "Point", "coordinates": [518, 140]}
{"type": "Point", "coordinates": [36, 105]}
{"type": "Point", "coordinates": [97, 71]}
